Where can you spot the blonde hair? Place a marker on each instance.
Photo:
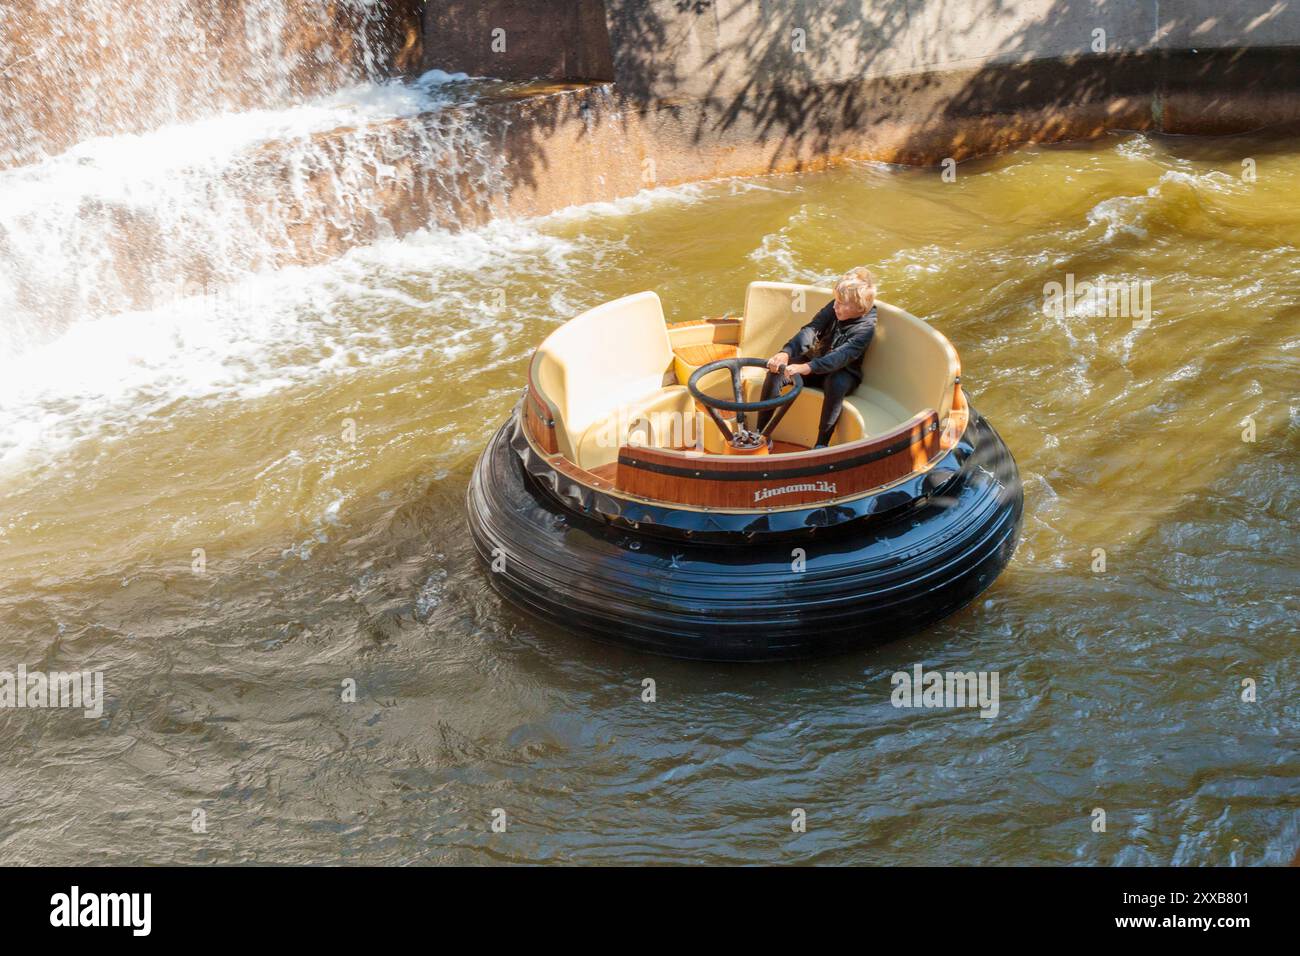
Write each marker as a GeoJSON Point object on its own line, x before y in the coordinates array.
{"type": "Point", "coordinates": [857, 287]}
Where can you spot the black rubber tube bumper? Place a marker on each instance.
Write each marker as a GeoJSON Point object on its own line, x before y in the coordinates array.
{"type": "Point", "coordinates": [775, 597]}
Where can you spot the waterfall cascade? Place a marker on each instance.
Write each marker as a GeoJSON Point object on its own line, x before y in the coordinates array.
{"type": "Point", "coordinates": [72, 71]}
{"type": "Point", "coordinates": [151, 152]}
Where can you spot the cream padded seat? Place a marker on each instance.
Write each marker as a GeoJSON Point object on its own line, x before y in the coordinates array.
{"type": "Point", "coordinates": [799, 426]}
{"type": "Point", "coordinates": [607, 376]}
{"type": "Point", "coordinates": [909, 366]}
{"type": "Point", "coordinates": [602, 371]}
{"type": "Point", "coordinates": [774, 311]}
{"type": "Point", "coordinates": [880, 413]}
{"type": "Point", "coordinates": [662, 419]}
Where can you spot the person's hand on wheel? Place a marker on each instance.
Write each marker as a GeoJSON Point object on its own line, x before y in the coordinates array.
{"type": "Point", "coordinates": [776, 361]}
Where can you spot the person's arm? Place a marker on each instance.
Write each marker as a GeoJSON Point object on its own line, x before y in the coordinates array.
{"type": "Point", "coordinates": [848, 352]}
{"type": "Point", "coordinates": [806, 338]}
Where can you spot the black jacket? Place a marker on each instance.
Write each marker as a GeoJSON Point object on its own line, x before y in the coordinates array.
{"type": "Point", "coordinates": [828, 345]}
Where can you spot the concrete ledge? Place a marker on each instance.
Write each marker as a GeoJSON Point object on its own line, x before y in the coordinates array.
{"type": "Point", "coordinates": [695, 98]}
{"type": "Point", "coordinates": [577, 144]}
{"type": "Point", "coordinates": [698, 89]}
{"type": "Point", "coordinates": [597, 143]}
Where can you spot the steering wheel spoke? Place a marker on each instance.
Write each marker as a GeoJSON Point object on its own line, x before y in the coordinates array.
{"type": "Point", "coordinates": [779, 404]}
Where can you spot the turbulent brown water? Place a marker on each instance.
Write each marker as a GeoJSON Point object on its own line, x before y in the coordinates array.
{"type": "Point", "coordinates": [312, 432]}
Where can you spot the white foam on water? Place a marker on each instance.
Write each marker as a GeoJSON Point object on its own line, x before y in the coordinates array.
{"type": "Point", "coordinates": [657, 197]}
{"type": "Point", "coordinates": [108, 166]}
{"type": "Point", "coordinates": [1119, 215]}
{"type": "Point", "coordinates": [639, 202]}
{"type": "Point", "coordinates": [272, 331]}
{"type": "Point", "coordinates": [1128, 215]}
{"type": "Point", "coordinates": [1137, 146]}
{"type": "Point", "coordinates": [105, 368]}
{"type": "Point", "coordinates": [776, 254]}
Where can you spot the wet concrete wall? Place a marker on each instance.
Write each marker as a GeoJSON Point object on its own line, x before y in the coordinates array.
{"type": "Point", "coordinates": [518, 39]}
{"type": "Point", "coordinates": [706, 88]}
{"type": "Point", "coordinates": [674, 50]}
{"type": "Point", "coordinates": [683, 90]}
{"type": "Point", "coordinates": [72, 71]}
{"type": "Point", "coordinates": [687, 101]}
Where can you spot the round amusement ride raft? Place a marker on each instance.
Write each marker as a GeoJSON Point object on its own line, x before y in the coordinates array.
{"type": "Point", "coordinates": [632, 496]}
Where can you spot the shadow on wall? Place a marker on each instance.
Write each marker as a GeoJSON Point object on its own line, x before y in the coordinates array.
{"type": "Point", "coordinates": [914, 80]}
{"type": "Point", "coordinates": [722, 87]}
{"type": "Point", "coordinates": [518, 39]}
{"type": "Point", "coordinates": [788, 72]}
{"type": "Point", "coordinates": [798, 74]}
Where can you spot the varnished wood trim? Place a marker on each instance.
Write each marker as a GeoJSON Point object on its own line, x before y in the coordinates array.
{"type": "Point", "coordinates": [684, 465]}
{"type": "Point", "coordinates": [697, 355]}
{"type": "Point", "coordinates": [723, 321]}
{"type": "Point", "coordinates": [838, 455]}
{"type": "Point", "coordinates": [779, 480]}
{"type": "Point", "coordinates": [701, 332]}
{"type": "Point", "coordinates": [542, 434]}
{"type": "Point", "coordinates": [958, 419]}
{"type": "Point", "coordinates": [580, 475]}
{"type": "Point", "coordinates": [539, 415]}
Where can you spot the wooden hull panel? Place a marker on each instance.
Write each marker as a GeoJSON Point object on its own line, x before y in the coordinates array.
{"type": "Point", "coordinates": [736, 482]}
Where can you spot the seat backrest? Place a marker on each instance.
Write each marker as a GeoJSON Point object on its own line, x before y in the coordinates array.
{"type": "Point", "coordinates": [774, 311]}
{"type": "Point", "coordinates": [910, 361]}
{"type": "Point", "coordinates": [614, 353]}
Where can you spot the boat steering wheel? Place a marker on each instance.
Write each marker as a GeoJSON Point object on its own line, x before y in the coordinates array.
{"type": "Point", "coordinates": [742, 438]}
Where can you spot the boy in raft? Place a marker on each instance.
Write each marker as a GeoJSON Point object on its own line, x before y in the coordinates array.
{"type": "Point", "coordinates": [828, 351]}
